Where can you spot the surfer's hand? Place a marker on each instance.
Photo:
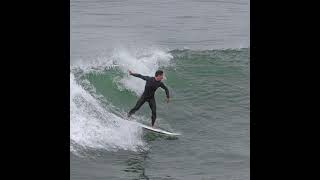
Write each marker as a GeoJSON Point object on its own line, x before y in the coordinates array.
{"type": "Point", "coordinates": [130, 72]}
{"type": "Point", "coordinates": [167, 100]}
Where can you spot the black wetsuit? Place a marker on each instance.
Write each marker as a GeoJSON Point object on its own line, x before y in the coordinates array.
{"type": "Point", "coordinates": [148, 95]}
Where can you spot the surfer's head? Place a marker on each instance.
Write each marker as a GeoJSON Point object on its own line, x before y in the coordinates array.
{"type": "Point", "coordinates": [159, 75]}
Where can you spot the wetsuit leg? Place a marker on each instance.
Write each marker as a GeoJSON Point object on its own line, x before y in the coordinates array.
{"type": "Point", "coordinates": [152, 104]}
{"type": "Point", "coordinates": [139, 103]}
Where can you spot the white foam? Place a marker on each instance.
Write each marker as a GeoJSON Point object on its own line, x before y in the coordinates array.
{"type": "Point", "coordinates": [93, 126]}
{"type": "Point", "coordinates": [143, 61]}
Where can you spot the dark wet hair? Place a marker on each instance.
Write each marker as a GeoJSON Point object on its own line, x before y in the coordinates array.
{"type": "Point", "coordinates": [159, 72]}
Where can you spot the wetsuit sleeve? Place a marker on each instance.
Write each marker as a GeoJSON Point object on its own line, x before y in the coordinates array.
{"type": "Point", "coordinates": [166, 89]}
{"type": "Point", "coordinates": [140, 76]}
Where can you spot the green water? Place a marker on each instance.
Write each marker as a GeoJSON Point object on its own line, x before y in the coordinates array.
{"type": "Point", "coordinates": [210, 105]}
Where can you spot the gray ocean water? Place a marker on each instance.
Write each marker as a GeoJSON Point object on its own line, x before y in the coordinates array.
{"type": "Point", "coordinates": [203, 48]}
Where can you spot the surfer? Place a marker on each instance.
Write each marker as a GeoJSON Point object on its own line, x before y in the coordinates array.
{"type": "Point", "coordinates": [152, 84]}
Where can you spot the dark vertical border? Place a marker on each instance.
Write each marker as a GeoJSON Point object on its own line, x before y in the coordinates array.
{"type": "Point", "coordinates": [37, 115]}
{"type": "Point", "coordinates": [279, 89]}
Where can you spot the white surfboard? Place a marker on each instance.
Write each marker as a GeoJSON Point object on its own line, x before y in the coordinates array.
{"type": "Point", "coordinates": [151, 128]}
{"type": "Point", "coordinates": [158, 130]}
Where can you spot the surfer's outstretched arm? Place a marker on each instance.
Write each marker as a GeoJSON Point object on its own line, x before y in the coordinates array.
{"type": "Point", "coordinates": [139, 75]}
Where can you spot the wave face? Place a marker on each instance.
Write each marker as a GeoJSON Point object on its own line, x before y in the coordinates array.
{"type": "Point", "coordinates": [102, 92]}
{"type": "Point", "coordinates": [95, 122]}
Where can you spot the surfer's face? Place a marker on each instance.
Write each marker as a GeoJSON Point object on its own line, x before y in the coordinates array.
{"type": "Point", "coordinates": [159, 77]}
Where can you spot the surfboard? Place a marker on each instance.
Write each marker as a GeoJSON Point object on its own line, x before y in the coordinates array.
{"type": "Point", "coordinates": [158, 130]}
{"type": "Point", "coordinates": [151, 128]}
